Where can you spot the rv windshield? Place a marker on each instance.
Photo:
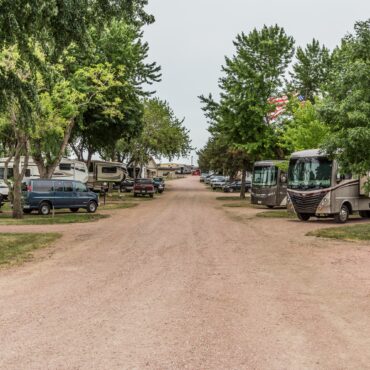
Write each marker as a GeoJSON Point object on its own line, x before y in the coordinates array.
{"type": "Point", "coordinates": [265, 176]}
{"type": "Point", "coordinates": [309, 173]}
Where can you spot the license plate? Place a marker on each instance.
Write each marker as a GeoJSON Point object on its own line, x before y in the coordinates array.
{"type": "Point", "coordinates": [259, 202]}
{"type": "Point", "coordinates": [143, 191]}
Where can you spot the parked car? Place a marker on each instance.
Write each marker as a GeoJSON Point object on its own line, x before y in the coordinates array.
{"type": "Point", "coordinates": [127, 185]}
{"type": "Point", "coordinates": [209, 178]}
{"type": "Point", "coordinates": [236, 186]}
{"type": "Point", "coordinates": [218, 182]}
{"type": "Point", "coordinates": [203, 177]}
{"type": "Point", "coordinates": [43, 195]}
{"type": "Point", "coordinates": [159, 184]}
{"type": "Point", "coordinates": [144, 187]}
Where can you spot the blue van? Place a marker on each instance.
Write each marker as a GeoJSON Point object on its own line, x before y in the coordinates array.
{"type": "Point", "coordinates": [44, 195]}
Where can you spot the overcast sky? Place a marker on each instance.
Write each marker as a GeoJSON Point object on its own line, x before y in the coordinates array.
{"type": "Point", "coordinates": [190, 39]}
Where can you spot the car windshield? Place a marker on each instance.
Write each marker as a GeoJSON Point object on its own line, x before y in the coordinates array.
{"type": "Point", "coordinates": [265, 175]}
{"type": "Point", "coordinates": [310, 173]}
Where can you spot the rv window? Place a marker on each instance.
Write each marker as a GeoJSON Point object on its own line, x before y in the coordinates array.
{"type": "Point", "coordinates": [58, 186]}
{"type": "Point", "coordinates": [65, 166]}
{"type": "Point", "coordinates": [109, 170]}
{"type": "Point", "coordinates": [80, 169]}
{"type": "Point", "coordinates": [10, 172]}
{"type": "Point", "coordinates": [28, 173]}
{"type": "Point", "coordinates": [81, 188]}
{"type": "Point", "coordinates": [68, 186]}
{"type": "Point", "coordinates": [91, 167]}
{"type": "Point", "coordinates": [42, 186]}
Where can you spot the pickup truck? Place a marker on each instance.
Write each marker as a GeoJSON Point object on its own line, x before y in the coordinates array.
{"type": "Point", "coordinates": [144, 187]}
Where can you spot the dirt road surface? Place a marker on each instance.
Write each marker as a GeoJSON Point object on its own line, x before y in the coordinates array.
{"type": "Point", "coordinates": [179, 284]}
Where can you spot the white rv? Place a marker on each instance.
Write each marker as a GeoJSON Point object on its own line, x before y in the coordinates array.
{"type": "Point", "coordinates": [68, 169]}
{"type": "Point", "coordinates": [104, 174]}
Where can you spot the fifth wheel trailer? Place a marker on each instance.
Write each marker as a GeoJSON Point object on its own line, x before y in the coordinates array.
{"type": "Point", "coordinates": [317, 187]}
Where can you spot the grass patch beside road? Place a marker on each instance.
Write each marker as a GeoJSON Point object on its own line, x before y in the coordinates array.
{"type": "Point", "coordinates": [276, 214]}
{"type": "Point", "coordinates": [352, 233]}
{"type": "Point", "coordinates": [117, 205]}
{"type": "Point", "coordinates": [15, 248]}
{"type": "Point", "coordinates": [59, 218]}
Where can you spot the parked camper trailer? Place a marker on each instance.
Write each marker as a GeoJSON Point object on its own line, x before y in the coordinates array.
{"type": "Point", "coordinates": [68, 169]}
{"type": "Point", "coordinates": [104, 174]}
{"type": "Point", "coordinates": [316, 187]}
{"type": "Point", "coordinates": [269, 184]}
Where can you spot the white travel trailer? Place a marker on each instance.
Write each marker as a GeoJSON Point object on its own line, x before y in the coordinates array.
{"type": "Point", "coordinates": [317, 187]}
{"type": "Point", "coordinates": [68, 169]}
{"type": "Point", "coordinates": [104, 174]}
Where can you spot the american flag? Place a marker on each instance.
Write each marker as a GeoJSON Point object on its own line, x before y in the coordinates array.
{"type": "Point", "coordinates": [280, 104]}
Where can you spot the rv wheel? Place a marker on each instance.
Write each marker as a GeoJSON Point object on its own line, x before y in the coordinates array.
{"type": "Point", "coordinates": [342, 216]}
{"type": "Point", "coordinates": [44, 208]}
{"type": "Point", "coordinates": [303, 216]}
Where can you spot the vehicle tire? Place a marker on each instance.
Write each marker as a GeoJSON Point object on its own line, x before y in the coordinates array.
{"type": "Point", "coordinates": [342, 216]}
{"type": "Point", "coordinates": [44, 208]}
{"type": "Point", "coordinates": [92, 207]}
{"type": "Point", "coordinates": [74, 210]}
{"type": "Point", "coordinates": [303, 216]}
{"type": "Point", "coordinates": [27, 211]}
{"type": "Point", "coordinates": [364, 214]}
{"type": "Point", "coordinates": [271, 207]}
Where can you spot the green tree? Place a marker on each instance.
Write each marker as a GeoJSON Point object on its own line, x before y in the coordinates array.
{"type": "Point", "coordinates": [346, 108]}
{"type": "Point", "coordinates": [253, 75]}
{"type": "Point", "coordinates": [304, 129]}
{"type": "Point", "coordinates": [121, 45]}
{"type": "Point", "coordinates": [311, 71]}
{"type": "Point", "coordinates": [163, 135]}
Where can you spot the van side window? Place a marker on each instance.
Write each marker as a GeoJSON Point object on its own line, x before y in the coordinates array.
{"type": "Point", "coordinates": [42, 186]}
{"type": "Point", "coordinates": [58, 186]}
{"type": "Point", "coordinates": [68, 186]}
{"type": "Point", "coordinates": [81, 188]}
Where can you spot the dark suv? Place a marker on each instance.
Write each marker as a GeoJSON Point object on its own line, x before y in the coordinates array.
{"type": "Point", "coordinates": [44, 195]}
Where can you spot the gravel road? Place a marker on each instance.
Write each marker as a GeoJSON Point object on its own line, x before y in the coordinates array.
{"type": "Point", "coordinates": [177, 283]}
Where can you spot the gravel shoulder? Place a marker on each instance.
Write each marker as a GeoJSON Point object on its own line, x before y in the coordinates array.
{"type": "Point", "coordinates": [182, 283]}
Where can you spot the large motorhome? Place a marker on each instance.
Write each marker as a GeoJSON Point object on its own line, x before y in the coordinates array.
{"type": "Point", "coordinates": [104, 174]}
{"type": "Point", "coordinates": [68, 169]}
{"type": "Point", "coordinates": [317, 187]}
{"type": "Point", "coordinates": [269, 184]}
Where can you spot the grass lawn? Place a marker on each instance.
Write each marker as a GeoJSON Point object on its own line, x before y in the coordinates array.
{"type": "Point", "coordinates": [15, 248]}
{"type": "Point", "coordinates": [59, 218]}
{"type": "Point", "coordinates": [281, 213]}
{"type": "Point", "coordinates": [354, 232]}
{"type": "Point", "coordinates": [117, 205]}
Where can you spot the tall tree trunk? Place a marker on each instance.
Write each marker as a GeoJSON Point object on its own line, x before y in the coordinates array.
{"type": "Point", "coordinates": [19, 173]}
{"type": "Point", "coordinates": [244, 174]}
